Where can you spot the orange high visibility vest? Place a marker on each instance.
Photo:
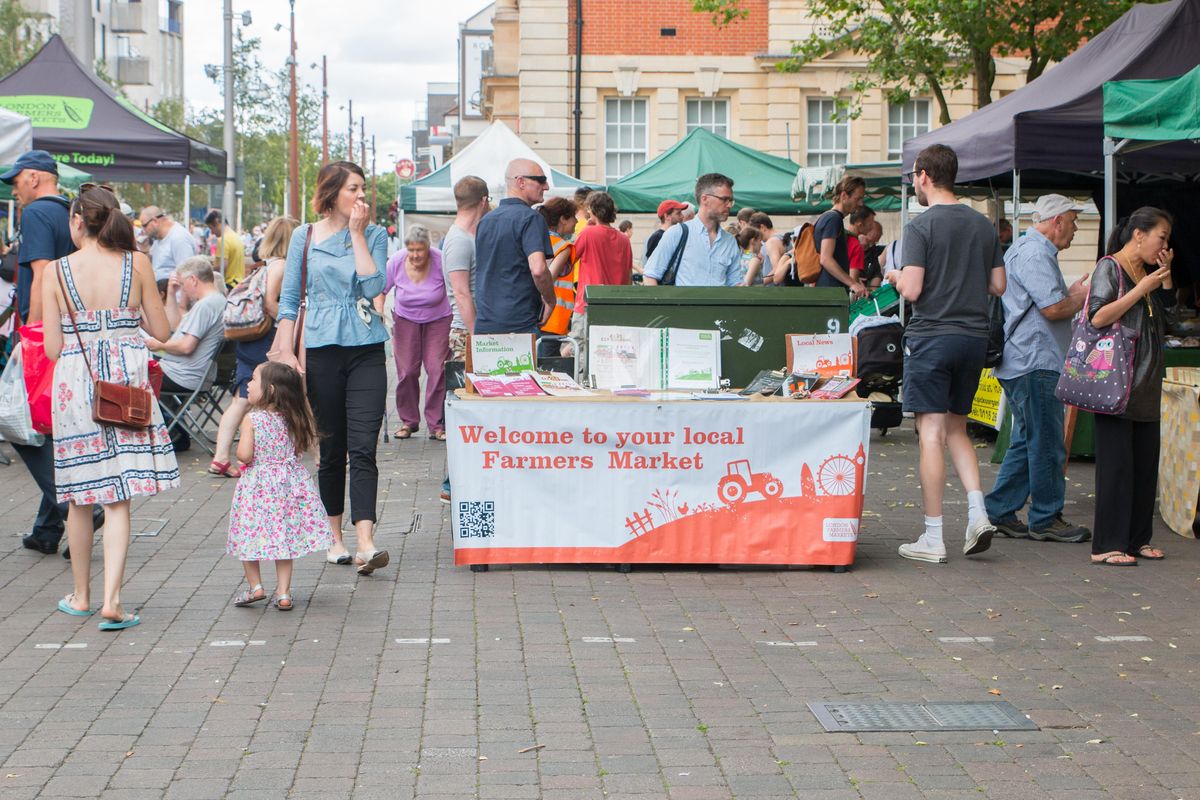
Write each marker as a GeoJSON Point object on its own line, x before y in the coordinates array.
{"type": "Point", "coordinates": [564, 291]}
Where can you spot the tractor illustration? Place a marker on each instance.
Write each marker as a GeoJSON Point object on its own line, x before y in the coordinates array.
{"type": "Point", "coordinates": [740, 481]}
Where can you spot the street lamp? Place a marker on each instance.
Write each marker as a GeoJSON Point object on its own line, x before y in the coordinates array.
{"type": "Point", "coordinates": [293, 131]}
{"type": "Point", "coordinates": [324, 109]}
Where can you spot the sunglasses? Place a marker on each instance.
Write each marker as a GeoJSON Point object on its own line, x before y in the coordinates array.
{"type": "Point", "coordinates": [83, 187]}
{"type": "Point", "coordinates": [542, 179]}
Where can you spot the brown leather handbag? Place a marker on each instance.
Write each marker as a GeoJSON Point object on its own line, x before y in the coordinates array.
{"type": "Point", "coordinates": [113, 404]}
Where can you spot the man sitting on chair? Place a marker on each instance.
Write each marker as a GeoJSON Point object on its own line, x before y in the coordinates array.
{"type": "Point", "coordinates": [198, 334]}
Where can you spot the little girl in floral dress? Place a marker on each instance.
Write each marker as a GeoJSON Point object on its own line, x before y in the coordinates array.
{"type": "Point", "coordinates": [277, 514]}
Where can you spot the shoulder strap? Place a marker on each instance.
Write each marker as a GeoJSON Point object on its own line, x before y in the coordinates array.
{"type": "Point", "coordinates": [126, 278]}
{"type": "Point", "coordinates": [672, 269]}
{"type": "Point", "coordinates": [58, 270]}
{"type": "Point", "coordinates": [301, 313]}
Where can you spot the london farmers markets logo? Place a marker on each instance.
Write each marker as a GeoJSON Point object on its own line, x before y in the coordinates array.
{"type": "Point", "coordinates": [51, 111]}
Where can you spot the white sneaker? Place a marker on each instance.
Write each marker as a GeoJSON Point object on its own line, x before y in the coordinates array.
{"type": "Point", "coordinates": [922, 550]}
{"type": "Point", "coordinates": [979, 536]}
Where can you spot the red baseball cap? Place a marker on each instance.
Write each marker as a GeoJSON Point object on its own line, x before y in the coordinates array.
{"type": "Point", "coordinates": [667, 206]}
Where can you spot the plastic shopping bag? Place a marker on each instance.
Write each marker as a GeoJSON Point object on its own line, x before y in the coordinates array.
{"type": "Point", "coordinates": [15, 423]}
{"type": "Point", "coordinates": [39, 377]}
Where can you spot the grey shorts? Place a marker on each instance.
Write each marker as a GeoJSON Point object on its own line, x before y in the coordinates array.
{"type": "Point", "coordinates": [941, 373]}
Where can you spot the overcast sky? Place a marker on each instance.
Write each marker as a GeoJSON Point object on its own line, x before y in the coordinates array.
{"type": "Point", "coordinates": [381, 55]}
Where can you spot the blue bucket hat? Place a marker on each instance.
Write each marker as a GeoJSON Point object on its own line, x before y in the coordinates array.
{"type": "Point", "coordinates": [34, 159]}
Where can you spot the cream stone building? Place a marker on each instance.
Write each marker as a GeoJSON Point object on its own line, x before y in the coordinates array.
{"type": "Point", "coordinates": [651, 72]}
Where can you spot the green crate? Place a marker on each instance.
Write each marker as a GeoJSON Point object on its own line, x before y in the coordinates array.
{"type": "Point", "coordinates": [753, 320]}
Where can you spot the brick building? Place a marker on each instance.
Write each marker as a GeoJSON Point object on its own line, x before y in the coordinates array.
{"type": "Point", "coordinates": [651, 72]}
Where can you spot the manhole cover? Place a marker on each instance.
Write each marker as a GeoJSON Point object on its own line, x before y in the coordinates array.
{"type": "Point", "coordinates": [985, 716]}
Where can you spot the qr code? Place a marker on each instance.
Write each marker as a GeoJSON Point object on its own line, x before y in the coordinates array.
{"type": "Point", "coordinates": [476, 519]}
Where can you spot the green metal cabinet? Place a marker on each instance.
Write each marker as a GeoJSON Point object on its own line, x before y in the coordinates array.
{"type": "Point", "coordinates": [753, 320]}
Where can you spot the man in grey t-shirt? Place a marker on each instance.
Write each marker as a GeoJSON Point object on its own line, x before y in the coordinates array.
{"type": "Point", "coordinates": [171, 242]}
{"type": "Point", "coordinates": [951, 263]}
{"type": "Point", "coordinates": [458, 260]}
{"type": "Point", "coordinates": [198, 334]}
{"type": "Point", "coordinates": [1038, 308]}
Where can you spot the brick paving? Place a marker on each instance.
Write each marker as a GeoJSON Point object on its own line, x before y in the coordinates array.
{"type": "Point", "coordinates": [502, 697]}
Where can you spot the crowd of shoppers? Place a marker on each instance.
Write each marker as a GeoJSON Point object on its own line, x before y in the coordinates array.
{"type": "Point", "coordinates": [315, 374]}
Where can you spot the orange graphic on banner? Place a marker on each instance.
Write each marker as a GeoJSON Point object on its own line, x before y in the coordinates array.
{"type": "Point", "coordinates": [755, 524]}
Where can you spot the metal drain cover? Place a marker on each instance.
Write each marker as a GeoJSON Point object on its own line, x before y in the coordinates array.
{"type": "Point", "coordinates": [973, 716]}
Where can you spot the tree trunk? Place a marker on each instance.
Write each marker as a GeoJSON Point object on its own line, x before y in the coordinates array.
{"type": "Point", "coordinates": [985, 75]}
{"type": "Point", "coordinates": [940, 96]}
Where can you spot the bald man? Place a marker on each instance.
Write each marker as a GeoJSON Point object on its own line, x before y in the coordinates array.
{"type": "Point", "coordinates": [514, 292]}
{"type": "Point", "coordinates": [171, 244]}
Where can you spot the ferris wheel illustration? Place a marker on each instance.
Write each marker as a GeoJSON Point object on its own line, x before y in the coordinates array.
{"type": "Point", "coordinates": [838, 475]}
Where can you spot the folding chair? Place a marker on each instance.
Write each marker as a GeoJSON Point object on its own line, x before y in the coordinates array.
{"type": "Point", "coordinates": [187, 410]}
{"type": "Point", "coordinates": [222, 386]}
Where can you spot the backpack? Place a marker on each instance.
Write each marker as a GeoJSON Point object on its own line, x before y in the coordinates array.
{"type": "Point", "coordinates": [806, 260]}
{"type": "Point", "coordinates": [245, 317]}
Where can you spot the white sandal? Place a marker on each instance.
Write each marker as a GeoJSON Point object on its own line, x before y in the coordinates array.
{"type": "Point", "coordinates": [369, 562]}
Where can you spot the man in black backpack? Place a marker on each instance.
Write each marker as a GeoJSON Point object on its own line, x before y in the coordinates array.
{"type": "Point", "coordinates": [45, 237]}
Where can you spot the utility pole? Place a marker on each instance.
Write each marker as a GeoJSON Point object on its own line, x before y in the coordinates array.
{"type": "Point", "coordinates": [372, 177]}
{"type": "Point", "coordinates": [324, 112]}
{"type": "Point", "coordinates": [293, 134]}
{"type": "Point", "coordinates": [363, 142]}
{"type": "Point", "coordinates": [350, 137]}
{"type": "Point", "coordinates": [227, 199]}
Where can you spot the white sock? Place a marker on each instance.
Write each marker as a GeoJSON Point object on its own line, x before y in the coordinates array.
{"type": "Point", "coordinates": [933, 531]}
{"type": "Point", "coordinates": [975, 507]}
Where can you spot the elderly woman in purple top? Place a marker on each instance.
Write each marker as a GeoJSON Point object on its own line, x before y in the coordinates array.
{"type": "Point", "coordinates": [421, 332]}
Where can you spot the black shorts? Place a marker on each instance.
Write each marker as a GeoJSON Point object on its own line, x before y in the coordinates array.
{"type": "Point", "coordinates": [941, 373]}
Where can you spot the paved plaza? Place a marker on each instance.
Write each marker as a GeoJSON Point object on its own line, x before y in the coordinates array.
{"type": "Point", "coordinates": [428, 680]}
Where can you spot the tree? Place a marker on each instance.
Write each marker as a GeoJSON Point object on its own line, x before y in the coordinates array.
{"type": "Point", "coordinates": [22, 33]}
{"type": "Point", "coordinates": [933, 46]}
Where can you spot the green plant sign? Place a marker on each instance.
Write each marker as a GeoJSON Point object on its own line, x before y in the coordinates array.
{"type": "Point", "coordinates": [51, 111]}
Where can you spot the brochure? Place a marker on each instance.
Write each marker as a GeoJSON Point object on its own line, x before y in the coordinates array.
{"type": "Point", "coordinates": [558, 384]}
{"type": "Point", "coordinates": [515, 385]}
{"type": "Point", "coordinates": [835, 388]}
{"type": "Point", "coordinates": [498, 353]}
{"type": "Point", "coordinates": [824, 353]}
{"type": "Point", "coordinates": [654, 358]}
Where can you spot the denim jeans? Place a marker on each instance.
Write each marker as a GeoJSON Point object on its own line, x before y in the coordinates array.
{"type": "Point", "coordinates": [1033, 465]}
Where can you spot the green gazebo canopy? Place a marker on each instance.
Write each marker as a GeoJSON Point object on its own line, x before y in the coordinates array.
{"type": "Point", "coordinates": [761, 180]}
{"type": "Point", "coordinates": [1165, 110]}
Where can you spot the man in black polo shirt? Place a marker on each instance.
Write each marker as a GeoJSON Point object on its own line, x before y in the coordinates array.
{"type": "Point", "coordinates": [45, 237]}
{"type": "Point", "coordinates": [514, 292]}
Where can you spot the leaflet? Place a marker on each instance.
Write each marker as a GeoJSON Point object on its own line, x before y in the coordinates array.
{"type": "Point", "coordinates": [558, 384]}
{"type": "Point", "coordinates": [654, 358]}
{"type": "Point", "coordinates": [522, 385]}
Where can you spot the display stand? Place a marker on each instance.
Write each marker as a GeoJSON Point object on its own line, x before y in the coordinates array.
{"type": "Point", "coordinates": [666, 479]}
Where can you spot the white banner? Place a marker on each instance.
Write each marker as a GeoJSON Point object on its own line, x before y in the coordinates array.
{"type": "Point", "coordinates": [633, 481]}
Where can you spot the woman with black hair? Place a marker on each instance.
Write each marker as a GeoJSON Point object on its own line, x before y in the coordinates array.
{"type": "Point", "coordinates": [1132, 285]}
{"type": "Point", "coordinates": [104, 293]}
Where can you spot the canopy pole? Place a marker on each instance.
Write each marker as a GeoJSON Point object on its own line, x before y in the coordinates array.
{"type": "Point", "coordinates": [1110, 186]}
{"type": "Point", "coordinates": [1016, 201]}
{"type": "Point", "coordinates": [187, 199]}
{"type": "Point", "coordinates": [903, 204]}
{"type": "Point", "coordinates": [12, 209]}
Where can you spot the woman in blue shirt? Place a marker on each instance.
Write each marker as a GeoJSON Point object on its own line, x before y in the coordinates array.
{"type": "Point", "coordinates": [341, 349]}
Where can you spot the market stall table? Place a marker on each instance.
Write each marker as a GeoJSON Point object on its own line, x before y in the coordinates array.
{"type": "Point", "coordinates": [665, 479]}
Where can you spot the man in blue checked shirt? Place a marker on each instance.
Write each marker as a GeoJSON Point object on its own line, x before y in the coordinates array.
{"type": "Point", "coordinates": [711, 256]}
{"type": "Point", "coordinates": [1038, 307]}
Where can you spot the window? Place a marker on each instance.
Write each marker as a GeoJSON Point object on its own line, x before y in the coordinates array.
{"type": "Point", "coordinates": [905, 121]}
{"type": "Point", "coordinates": [828, 140]}
{"type": "Point", "coordinates": [625, 136]}
{"type": "Point", "coordinates": [712, 115]}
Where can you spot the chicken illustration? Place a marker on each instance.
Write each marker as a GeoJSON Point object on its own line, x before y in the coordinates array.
{"type": "Point", "coordinates": [1101, 357]}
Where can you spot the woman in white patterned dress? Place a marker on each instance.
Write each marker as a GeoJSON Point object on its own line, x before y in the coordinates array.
{"type": "Point", "coordinates": [110, 290]}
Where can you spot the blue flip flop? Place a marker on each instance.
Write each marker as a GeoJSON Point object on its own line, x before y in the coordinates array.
{"type": "Point", "coordinates": [65, 606]}
{"type": "Point", "coordinates": [115, 625]}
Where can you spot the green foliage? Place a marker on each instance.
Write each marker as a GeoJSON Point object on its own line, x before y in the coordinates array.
{"type": "Point", "coordinates": [921, 47]}
{"type": "Point", "coordinates": [22, 33]}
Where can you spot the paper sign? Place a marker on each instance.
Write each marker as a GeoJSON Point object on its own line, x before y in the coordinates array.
{"type": "Point", "coordinates": [498, 353]}
{"type": "Point", "coordinates": [825, 353]}
{"type": "Point", "coordinates": [654, 358]}
{"type": "Point", "coordinates": [988, 406]}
